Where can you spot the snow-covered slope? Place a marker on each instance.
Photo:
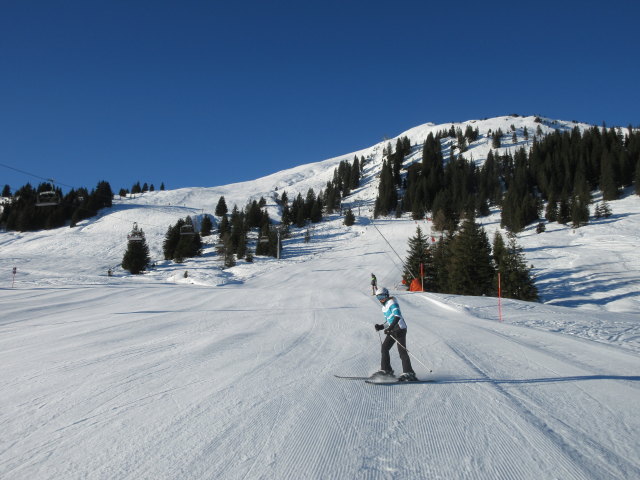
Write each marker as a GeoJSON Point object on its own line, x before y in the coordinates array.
{"type": "Point", "coordinates": [229, 373]}
{"type": "Point", "coordinates": [563, 258]}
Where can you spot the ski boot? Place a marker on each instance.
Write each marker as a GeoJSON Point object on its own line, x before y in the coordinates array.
{"type": "Point", "coordinates": [407, 377]}
{"type": "Point", "coordinates": [382, 374]}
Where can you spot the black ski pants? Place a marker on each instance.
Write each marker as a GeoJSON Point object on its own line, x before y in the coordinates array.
{"type": "Point", "coordinates": [401, 336]}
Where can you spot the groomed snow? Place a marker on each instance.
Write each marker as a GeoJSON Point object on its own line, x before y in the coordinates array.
{"type": "Point", "coordinates": [230, 373]}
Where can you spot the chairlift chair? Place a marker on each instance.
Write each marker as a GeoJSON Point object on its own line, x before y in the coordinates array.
{"type": "Point", "coordinates": [187, 229]}
{"type": "Point", "coordinates": [47, 199]}
{"type": "Point", "coordinates": [136, 235]}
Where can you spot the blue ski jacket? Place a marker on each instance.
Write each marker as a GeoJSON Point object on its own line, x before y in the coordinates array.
{"type": "Point", "coordinates": [391, 310]}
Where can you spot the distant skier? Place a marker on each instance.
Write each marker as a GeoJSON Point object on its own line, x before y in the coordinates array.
{"type": "Point", "coordinates": [374, 284]}
{"type": "Point", "coordinates": [396, 330]}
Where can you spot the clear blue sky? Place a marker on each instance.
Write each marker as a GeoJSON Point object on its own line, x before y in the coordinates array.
{"type": "Point", "coordinates": [204, 93]}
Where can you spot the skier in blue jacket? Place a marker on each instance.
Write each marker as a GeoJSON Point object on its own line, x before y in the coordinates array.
{"type": "Point", "coordinates": [396, 330]}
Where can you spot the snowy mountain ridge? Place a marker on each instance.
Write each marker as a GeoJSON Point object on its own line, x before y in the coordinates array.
{"type": "Point", "coordinates": [155, 211]}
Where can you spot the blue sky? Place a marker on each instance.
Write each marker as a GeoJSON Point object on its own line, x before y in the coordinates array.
{"type": "Point", "coordinates": [205, 93]}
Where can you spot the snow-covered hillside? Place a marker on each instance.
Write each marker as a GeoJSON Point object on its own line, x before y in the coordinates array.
{"type": "Point", "coordinates": [229, 373]}
{"type": "Point", "coordinates": [562, 257]}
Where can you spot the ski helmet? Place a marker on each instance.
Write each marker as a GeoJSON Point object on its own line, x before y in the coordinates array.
{"type": "Point", "coordinates": [382, 293]}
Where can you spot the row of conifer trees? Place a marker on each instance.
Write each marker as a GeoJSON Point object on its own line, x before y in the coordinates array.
{"type": "Point", "coordinates": [562, 170]}
{"type": "Point", "coordinates": [465, 263]}
{"type": "Point", "coordinates": [22, 213]}
{"type": "Point", "coordinates": [234, 227]}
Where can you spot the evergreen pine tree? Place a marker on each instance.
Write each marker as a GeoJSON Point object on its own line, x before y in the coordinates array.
{"type": "Point", "coordinates": [626, 165]}
{"type": "Point", "coordinates": [241, 249]}
{"type": "Point", "coordinates": [238, 228]}
{"type": "Point", "coordinates": [441, 258]}
{"type": "Point", "coordinates": [495, 143]}
{"type": "Point", "coordinates": [253, 215]}
{"type": "Point", "coordinates": [224, 227]}
{"type": "Point", "coordinates": [418, 254]}
{"type": "Point", "coordinates": [103, 195]}
{"type": "Point", "coordinates": [178, 246]}
{"type": "Point", "coordinates": [516, 279]}
{"type": "Point", "coordinates": [206, 227]}
{"type": "Point", "coordinates": [355, 174]}
{"type": "Point", "coordinates": [300, 218]}
{"type": "Point", "coordinates": [136, 258]}
{"type": "Point", "coordinates": [579, 212]}
{"type": "Point", "coordinates": [229, 259]}
{"type": "Point", "coordinates": [499, 248]}
{"type": "Point", "coordinates": [221, 207]}
{"type": "Point", "coordinates": [580, 203]}
{"type": "Point", "coordinates": [349, 218]}
{"type": "Point", "coordinates": [444, 217]}
{"type": "Point", "coordinates": [597, 212]}
{"type": "Point", "coordinates": [564, 210]}
{"type": "Point", "coordinates": [417, 210]}
{"type": "Point", "coordinates": [608, 183]}
{"type": "Point", "coordinates": [315, 215]}
{"type": "Point", "coordinates": [387, 198]}
{"type": "Point", "coordinates": [471, 271]}
{"type": "Point", "coordinates": [171, 239]}
{"type": "Point", "coordinates": [188, 246]}
{"type": "Point", "coordinates": [552, 210]}
{"type": "Point", "coordinates": [602, 210]}
{"type": "Point", "coordinates": [286, 216]}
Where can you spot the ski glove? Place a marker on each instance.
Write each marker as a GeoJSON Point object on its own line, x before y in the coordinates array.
{"type": "Point", "coordinates": [379, 326]}
{"type": "Point", "coordinates": [393, 326]}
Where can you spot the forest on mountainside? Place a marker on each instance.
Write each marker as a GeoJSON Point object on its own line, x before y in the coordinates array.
{"type": "Point", "coordinates": [562, 169]}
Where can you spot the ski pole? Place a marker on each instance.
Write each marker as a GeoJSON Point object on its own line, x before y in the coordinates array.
{"type": "Point", "coordinates": [405, 348]}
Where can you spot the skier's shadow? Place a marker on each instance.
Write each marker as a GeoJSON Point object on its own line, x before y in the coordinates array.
{"type": "Point", "coordinates": [451, 379]}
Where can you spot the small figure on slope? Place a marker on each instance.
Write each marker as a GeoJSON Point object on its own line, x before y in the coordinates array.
{"type": "Point", "coordinates": [374, 284]}
{"type": "Point", "coordinates": [396, 330]}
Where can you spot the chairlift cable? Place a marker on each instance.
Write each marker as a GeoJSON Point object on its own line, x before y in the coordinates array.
{"type": "Point", "coordinates": [394, 251]}
{"type": "Point", "coordinates": [62, 203]}
{"type": "Point", "coordinates": [48, 179]}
